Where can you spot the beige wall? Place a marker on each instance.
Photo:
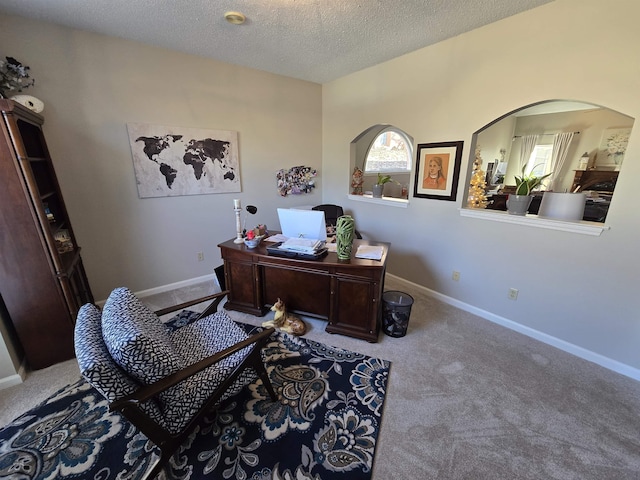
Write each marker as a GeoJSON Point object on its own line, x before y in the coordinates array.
{"type": "Point", "coordinates": [93, 85]}
{"type": "Point", "coordinates": [578, 292]}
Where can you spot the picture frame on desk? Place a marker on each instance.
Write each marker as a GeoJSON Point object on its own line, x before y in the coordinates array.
{"type": "Point", "coordinates": [437, 170]}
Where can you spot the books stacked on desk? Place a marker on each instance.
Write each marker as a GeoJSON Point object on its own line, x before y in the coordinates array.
{"type": "Point", "coordinates": [303, 248]}
{"type": "Point", "coordinates": [303, 245]}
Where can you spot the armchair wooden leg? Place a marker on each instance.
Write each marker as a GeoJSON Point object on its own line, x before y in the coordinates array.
{"type": "Point", "coordinates": [157, 468]}
{"type": "Point", "coordinates": [264, 376]}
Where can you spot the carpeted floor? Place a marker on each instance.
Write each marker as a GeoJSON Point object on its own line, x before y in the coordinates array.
{"type": "Point", "coordinates": [468, 399]}
{"type": "Point", "coordinates": [324, 426]}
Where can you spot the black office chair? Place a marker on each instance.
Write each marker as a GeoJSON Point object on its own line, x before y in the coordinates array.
{"type": "Point", "coordinates": [331, 214]}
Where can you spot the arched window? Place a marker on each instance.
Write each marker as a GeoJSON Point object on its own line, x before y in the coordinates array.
{"type": "Point", "coordinates": [382, 149]}
{"type": "Point", "coordinates": [390, 152]}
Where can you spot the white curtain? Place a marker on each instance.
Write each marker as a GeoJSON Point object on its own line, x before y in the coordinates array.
{"type": "Point", "coordinates": [561, 142]}
{"type": "Point", "coordinates": [526, 147]}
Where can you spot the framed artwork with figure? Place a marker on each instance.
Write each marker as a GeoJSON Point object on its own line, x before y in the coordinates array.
{"type": "Point", "coordinates": [437, 170]}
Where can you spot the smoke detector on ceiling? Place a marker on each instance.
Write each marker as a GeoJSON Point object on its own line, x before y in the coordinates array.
{"type": "Point", "coordinates": [235, 18]}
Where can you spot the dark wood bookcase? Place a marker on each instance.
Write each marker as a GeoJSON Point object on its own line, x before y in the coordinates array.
{"type": "Point", "coordinates": [42, 279]}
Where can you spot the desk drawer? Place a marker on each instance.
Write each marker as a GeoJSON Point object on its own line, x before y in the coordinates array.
{"type": "Point", "coordinates": [304, 292]}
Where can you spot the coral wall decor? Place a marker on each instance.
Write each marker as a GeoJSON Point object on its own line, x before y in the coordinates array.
{"type": "Point", "coordinates": [296, 180]}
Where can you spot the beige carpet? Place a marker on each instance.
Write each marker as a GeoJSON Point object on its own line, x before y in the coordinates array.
{"type": "Point", "coordinates": [467, 399]}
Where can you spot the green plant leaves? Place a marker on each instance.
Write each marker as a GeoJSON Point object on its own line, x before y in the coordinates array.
{"type": "Point", "coordinates": [528, 182]}
{"type": "Point", "coordinates": [382, 179]}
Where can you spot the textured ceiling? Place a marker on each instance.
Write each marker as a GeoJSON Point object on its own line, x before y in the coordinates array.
{"type": "Point", "coordinates": [313, 40]}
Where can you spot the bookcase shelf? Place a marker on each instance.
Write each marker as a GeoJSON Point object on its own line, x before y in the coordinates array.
{"type": "Point", "coordinates": [42, 284]}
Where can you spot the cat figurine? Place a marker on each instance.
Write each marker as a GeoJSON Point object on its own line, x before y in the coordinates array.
{"type": "Point", "coordinates": [287, 322]}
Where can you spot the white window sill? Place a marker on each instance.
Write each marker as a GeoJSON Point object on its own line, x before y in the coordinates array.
{"type": "Point", "coordinates": [584, 228]}
{"type": "Point", "coordinates": [390, 201]}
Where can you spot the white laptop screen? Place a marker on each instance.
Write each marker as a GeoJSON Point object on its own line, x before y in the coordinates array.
{"type": "Point", "coordinates": [296, 223]}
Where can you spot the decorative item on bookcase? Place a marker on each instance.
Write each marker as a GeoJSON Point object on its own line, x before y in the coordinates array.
{"type": "Point", "coordinates": [345, 232]}
{"type": "Point", "coordinates": [48, 213]}
{"type": "Point", "coordinates": [29, 101]}
{"type": "Point", "coordinates": [14, 77]}
{"type": "Point", "coordinates": [63, 241]}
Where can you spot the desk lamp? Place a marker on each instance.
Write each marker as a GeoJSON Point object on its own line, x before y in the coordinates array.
{"type": "Point", "coordinates": [252, 210]}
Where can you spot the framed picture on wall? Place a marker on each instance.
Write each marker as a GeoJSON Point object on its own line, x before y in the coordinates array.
{"type": "Point", "coordinates": [437, 170]}
{"type": "Point", "coordinates": [613, 146]}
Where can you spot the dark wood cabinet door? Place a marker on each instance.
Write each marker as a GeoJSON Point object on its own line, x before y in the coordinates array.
{"type": "Point", "coordinates": [306, 292]}
{"type": "Point", "coordinates": [244, 296]}
{"type": "Point", "coordinates": [354, 308]}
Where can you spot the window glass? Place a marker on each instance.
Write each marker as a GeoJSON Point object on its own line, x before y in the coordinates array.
{"type": "Point", "coordinates": [389, 152]}
{"type": "Point", "coordinates": [540, 162]}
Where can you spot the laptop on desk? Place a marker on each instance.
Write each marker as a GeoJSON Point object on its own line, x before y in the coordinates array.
{"type": "Point", "coordinates": [306, 233]}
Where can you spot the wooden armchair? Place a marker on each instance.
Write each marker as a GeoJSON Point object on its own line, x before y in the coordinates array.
{"type": "Point", "coordinates": [164, 382]}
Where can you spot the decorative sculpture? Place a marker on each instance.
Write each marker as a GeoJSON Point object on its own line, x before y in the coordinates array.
{"type": "Point", "coordinates": [356, 181]}
{"type": "Point", "coordinates": [345, 232]}
{"type": "Point", "coordinates": [287, 322]}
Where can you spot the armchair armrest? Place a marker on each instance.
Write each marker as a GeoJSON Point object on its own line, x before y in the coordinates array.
{"type": "Point", "coordinates": [148, 391]}
{"type": "Point", "coordinates": [216, 297]}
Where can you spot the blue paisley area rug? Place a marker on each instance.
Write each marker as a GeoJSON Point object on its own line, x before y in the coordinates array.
{"type": "Point", "coordinates": [324, 427]}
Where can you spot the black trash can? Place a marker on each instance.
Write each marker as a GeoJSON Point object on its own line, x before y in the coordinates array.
{"type": "Point", "coordinates": [396, 309]}
{"type": "Point", "coordinates": [219, 271]}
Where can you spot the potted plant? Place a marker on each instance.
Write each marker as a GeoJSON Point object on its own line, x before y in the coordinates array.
{"type": "Point", "coordinates": [378, 187]}
{"type": "Point", "coordinates": [518, 204]}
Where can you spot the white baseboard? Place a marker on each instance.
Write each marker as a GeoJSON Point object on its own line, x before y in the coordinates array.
{"type": "Point", "coordinates": [583, 353]}
{"type": "Point", "coordinates": [15, 379]}
{"type": "Point", "coordinates": [10, 381]}
{"type": "Point", "coordinates": [172, 286]}
{"type": "Point", "coordinates": [580, 352]}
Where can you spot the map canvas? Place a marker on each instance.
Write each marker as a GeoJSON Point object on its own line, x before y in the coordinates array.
{"type": "Point", "coordinates": [173, 161]}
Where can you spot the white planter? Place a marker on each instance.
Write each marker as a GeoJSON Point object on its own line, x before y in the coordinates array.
{"type": "Point", "coordinates": [563, 206]}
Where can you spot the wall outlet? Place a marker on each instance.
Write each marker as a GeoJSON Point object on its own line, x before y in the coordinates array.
{"type": "Point", "coordinates": [455, 276]}
{"type": "Point", "coordinates": [513, 294]}
{"type": "Point", "coordinates": [200, 256]}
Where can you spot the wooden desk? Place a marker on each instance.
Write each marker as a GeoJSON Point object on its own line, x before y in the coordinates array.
{"type": "Point", "coordinates": [347, 294]}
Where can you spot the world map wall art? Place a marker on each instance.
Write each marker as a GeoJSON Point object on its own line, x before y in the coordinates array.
{"type": "Point", "coordinates": [173, 161]}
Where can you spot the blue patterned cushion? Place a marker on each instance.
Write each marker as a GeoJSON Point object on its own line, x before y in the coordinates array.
{"type": "Point", "coordinates": [136, 338]}
{"type": "Point", "coordinates": [194, 342]}
{"type": "Point", "coordinates": [97, 366]}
